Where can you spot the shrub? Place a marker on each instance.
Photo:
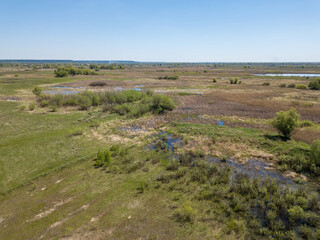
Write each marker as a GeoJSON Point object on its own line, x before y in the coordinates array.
{"type": "Point", "coordinates": [285, 122]}
{"type": "Point", "coordinates": [315, 152]}
{"type": "Point", "coordinates": [266, 84]}
{"type": "Point", "coordinates": [214, 80]}
{"type": "Point", "coordinates": [160, 103]}
{"type": "Point", "coordinates": [107, 157]}
{"type": "Point", "coordinates": [142, 186]}
{"type": "Point", "coordinates": [301, 86]}
{"type": "Point", "coordinates": [308, 104]}
{"type": "Point", "coordinates": [283, 85]}
{"type": "Point", "coordinates": [22, 107]}
{"type": "Point", "coordinates": [130, 102]}
{"type": "Point", "coordinates": [32, 106]}
{"type": "Point", "coordinates": [291, 85]}
{"type": "Point", "coordinates": [84, 103]}
{"type": "Point", "coordinates": [173, 77]}
{"type": "Point", "coordinates": [54, 108]}
{"type": "Point", "coordinates": [314, 85]}
{"type": "Point", "coordinates": [37, 91]}
{"type": "Point", "coordinates": [296, 213]}
{"type": "Point", "coordinates": [306, 123]}
{"type": "Point", "coordinates": [233, 81]}
{"type": "Point", "coordinates": [97, 84]}
{"type": "Point", "coordinates": [100, 159]}
{"type": "Point", "coordinates": [44, 103]}
{"type": "Point", "coordinates": [61, 73]}
{"type": "Point", "coordinates": [96, 101]}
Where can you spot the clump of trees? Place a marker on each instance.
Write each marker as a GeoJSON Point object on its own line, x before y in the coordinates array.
{"type": "Point", "coordinates": [64, 71]}
{"type": "Point", "coordinates": [129, 102]}
{"type": "Point", "coordinates": [285, 122]}
{"type": "Point", "coordinates": [106, 66]}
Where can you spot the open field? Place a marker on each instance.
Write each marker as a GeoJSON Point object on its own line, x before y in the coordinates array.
{"type": "Point", "coordinates": [174, 175]}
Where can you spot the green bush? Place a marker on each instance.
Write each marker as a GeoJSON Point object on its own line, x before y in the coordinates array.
{"type": "Point", "coordinates": [107, 157]}
{"type": "Point", "coordinates": [291, 85]}
{"type": "Point", "coordinates": [266, 84]}
{"type": "Point", "coordinates": [142, 186]}
{"type": "Point", "coordinates": [296, 213]}
{"type": "Point", "coordinates": [306, 123]}
{"type": "Point", "coordinates": [302, 86]}
{"type": "Point", "coordinates": [286, 122]}
{"type": "Point", "coordinates": [54, 108]}
{"type": "Point", "coordinates": [315, 152]}
{"type": "Point", "coordinates": [233, 81]}
{"type": "Point", "coordinates": [100, 159]}
{"type": "Point", "coordinates": [37, 91]}
{"type": "Point", "coordinates": [160, 103]}
{"type": "Point", "coordinates": [22, 107]}
{"type": "Point", "coordinates": [84, 102]}
{"type": "Point", "coordinates": [32, 106]}
{"type": "Point", "coordinates": [61, 73]}
{"type": "Point", "coordinates": [314, 85]}
{"type": "Point", "coordinates": [44, 103]}
{"type": "Point", "coordinates": [214, 80]}
{"type": "Point", "coordinates": [283, 85]}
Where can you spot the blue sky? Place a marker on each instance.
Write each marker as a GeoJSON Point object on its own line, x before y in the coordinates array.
{"type": "Point", "coordinates": [172, 31]}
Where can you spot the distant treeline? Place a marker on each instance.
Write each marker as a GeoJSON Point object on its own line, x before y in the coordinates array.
{"type": "Point", "coordinates": [106, 66]}
{"type": "Point", "coordinates": [57, 65]}
{"type": "Point", "coordinates": [53, 64]}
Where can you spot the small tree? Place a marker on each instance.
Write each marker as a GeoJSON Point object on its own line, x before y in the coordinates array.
{"type": "Point", "coordinates": [315, 152]}
{"type": "Point", "coordinates": [100, 159]}
{"type": "Point", "coordinates": [107, 157]}
{"type": "Point", "coordinates": [286, 122]}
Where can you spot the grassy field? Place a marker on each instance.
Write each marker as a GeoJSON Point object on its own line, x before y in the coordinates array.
{"type": "Point", "coordinates": [175, 175]}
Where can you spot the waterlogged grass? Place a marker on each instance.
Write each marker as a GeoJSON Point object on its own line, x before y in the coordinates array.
{"type": "Point", "coordinates": [193, 200]}
{"type": "Point", "coordinates": [264, 139]}
{"type": "Point", "coordinates": [27, 80]}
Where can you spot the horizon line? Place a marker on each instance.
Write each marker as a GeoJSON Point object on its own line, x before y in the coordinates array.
{"type": "Point", "coordinates": [135, 61]}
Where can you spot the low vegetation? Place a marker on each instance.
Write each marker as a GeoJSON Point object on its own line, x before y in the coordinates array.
{"type": "Point", "coordinates": [97, 84]}
{"type": "Point", "coordinates": [104, 173]}
{"type": "Point", "coordinates": [129, 102]}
